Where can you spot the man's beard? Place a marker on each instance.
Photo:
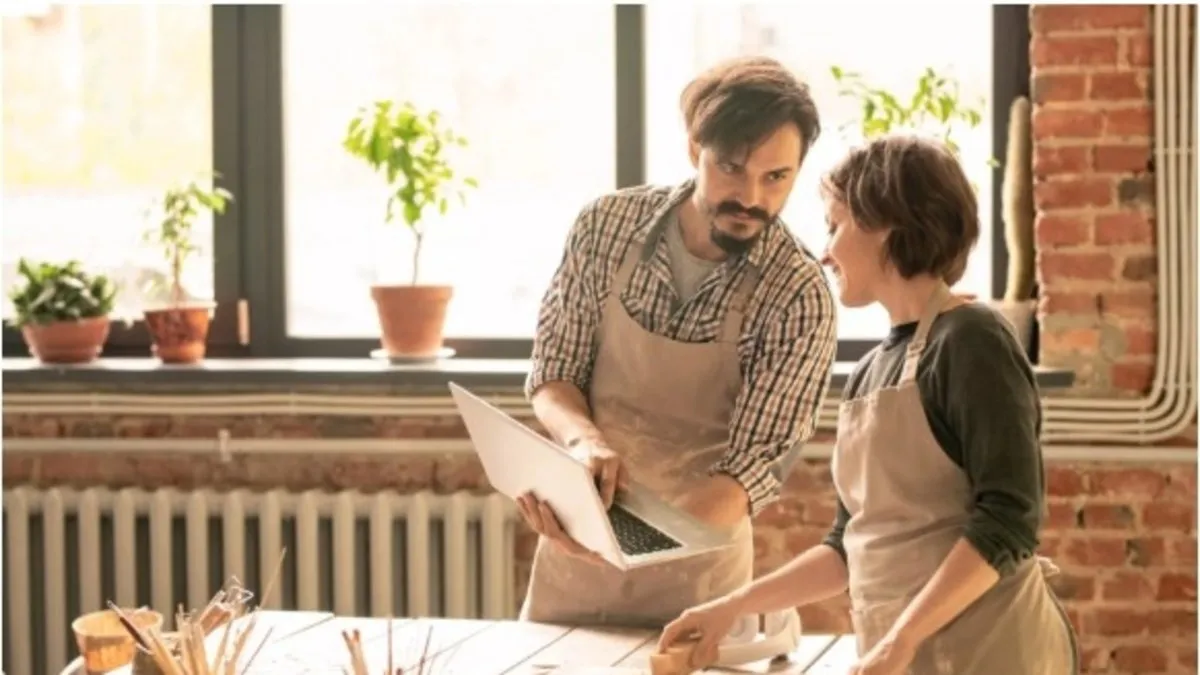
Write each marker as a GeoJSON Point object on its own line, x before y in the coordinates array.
{"type": "Point", "coordinates": [727, 242]}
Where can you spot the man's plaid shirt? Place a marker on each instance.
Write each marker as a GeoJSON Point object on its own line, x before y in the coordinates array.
{"type": "Point", "coordinates": [787, 346]}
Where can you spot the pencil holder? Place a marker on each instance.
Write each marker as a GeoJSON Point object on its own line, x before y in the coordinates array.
{"type": "Point", "coordinates": [104, 643]}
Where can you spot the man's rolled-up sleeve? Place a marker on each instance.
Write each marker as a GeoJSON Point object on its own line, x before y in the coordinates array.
{"type": "Point", "coordinates": [780, 400]}
{"type": "Point", "coordinates": [565, 339]}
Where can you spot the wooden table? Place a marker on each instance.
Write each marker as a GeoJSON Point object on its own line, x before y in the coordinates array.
{"type": "Point", "coordinates": [311, 642]}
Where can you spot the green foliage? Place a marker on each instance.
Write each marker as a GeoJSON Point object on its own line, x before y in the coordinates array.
{"type": "Point", "coordinates": [935, 106]}
{"type": "Point", "coordinates": [409, 148]}
{"type": "Point", "coordinates": [50, 292]}
{"type": "Point", "coordinates": [177, 211]}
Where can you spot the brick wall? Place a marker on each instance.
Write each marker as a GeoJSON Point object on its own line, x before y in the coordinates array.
{"type": "Point", "coordinates": [1123, 533]}
{"type": "Point", "coordinates": [1094, 192]}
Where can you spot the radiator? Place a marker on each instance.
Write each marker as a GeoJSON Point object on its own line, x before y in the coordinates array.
{"type": "Point", "coordinates": [68, 552]}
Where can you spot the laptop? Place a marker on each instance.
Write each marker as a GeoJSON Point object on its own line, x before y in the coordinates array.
{"type": "Point", "coordinates": [639, 529]}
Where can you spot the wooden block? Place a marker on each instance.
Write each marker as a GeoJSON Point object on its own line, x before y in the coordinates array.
{"type": "Point", "coordinates": [675, 661]}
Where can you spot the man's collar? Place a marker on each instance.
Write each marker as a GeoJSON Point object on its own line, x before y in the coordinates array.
{"type": "Point", "coordinates": [681, 192]}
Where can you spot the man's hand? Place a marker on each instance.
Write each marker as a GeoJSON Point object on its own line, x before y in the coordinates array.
{"type": "Point", "coordinates": [542, 520]}
{"type": "Point", "coordinates": [605, 465]}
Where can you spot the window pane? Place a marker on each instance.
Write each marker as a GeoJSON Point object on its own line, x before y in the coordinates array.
{"type": "Point", "coordinates": [890, 52]}
{"type": "Point", "coordinates": [104, 107]}
{"type": "Point", "coordinates": [530, 87]}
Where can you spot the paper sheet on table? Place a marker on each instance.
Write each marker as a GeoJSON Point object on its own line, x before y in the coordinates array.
{"type": "Point", "coordinates": [593, 670]}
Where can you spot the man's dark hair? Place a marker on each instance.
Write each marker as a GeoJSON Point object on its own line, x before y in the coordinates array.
{"type": "Point", "coordinates": [735, 105]}
{"type": "Point", "coordinates": [916, 189]}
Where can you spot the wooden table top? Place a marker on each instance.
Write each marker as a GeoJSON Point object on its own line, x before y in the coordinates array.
{"type": "Point", "coordinates": [311, 642]}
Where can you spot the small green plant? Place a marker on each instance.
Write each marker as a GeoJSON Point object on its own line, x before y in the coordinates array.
{"type": "Point", "coordinates": [172, 232]}
{"type": "Point", "coordinates": [409, 148]}
{"type": "Point", "coordinates": [51, 292]}
{"type": "Point", "coordinates": [935, 106]}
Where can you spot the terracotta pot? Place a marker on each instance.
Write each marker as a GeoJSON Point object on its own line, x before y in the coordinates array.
{"type": "Point", "coordinates": [67, 341]}
{"type": "Point", "coordinates": [411, 318]}
{"type": "Point", "coordinates": [179, 334]}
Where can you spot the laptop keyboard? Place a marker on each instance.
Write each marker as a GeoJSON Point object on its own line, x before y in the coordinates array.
{"type": "Point", "coordinates": [636, 536]}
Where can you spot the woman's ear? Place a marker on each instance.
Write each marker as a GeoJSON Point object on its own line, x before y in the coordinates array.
{"type": "Point", "coordinates": [694, 153]}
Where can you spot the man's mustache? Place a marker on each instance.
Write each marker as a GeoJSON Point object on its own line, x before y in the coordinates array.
{"type": "Point", "coordinates": [735, 209]}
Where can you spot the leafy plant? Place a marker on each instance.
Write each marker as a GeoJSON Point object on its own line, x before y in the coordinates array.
{"type": "Point", "coordinates": [51, 292]}
{"type": "Point", "coordinates": [409, 148]}
{"type": "Point", "coordinates": [935, 106]}
{"type": "Point", "coordinates": [173, 234]}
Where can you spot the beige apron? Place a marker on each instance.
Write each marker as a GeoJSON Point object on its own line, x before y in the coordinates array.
{"type": "Point", "coordinates": [665, 406]}
{"type": "Point", "coordinates": [909, 504]}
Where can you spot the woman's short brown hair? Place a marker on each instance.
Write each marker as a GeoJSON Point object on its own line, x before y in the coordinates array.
{"type": "Point", "coordinates": [733, 106]}
{"type": "Point", "coordinates": [916, 189]}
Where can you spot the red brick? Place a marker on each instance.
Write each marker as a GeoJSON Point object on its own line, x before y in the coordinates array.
{"type": "Point", "coordinates": [1048, 52]}
{"type": "Point", "coordinates": [1064, 481]}
{"type": "Point", "coordinates": [1122, 158]}
{"type": "Point", "coordinates": [1164, 515]}
{"type": "Point", "coordinates": [1133, 304]}
{"type": "Point", "coordinates": [1095, 552]}
{"type": "Point", "coordinates": [1073, 193]}
{"type": "Point", "coordinates": [1062, 124]}
{"type": "Point", "coordinates": [1137, 121]}
{"type": "Point", "coordinates": [1179, 586]}
{"type": "Point", "coordinates": [1127, 586]}
{"type": "Point", "coordinates": [1107, 517]}
{"type": "Point", "coordinates": [1060, 515]}
{"type": "Point", "coordinates": [1111, 622]}
{"type": "Point", "coordinates": [1071, 340]}
{"type": "Point", "coordinates": [1138, 50]}
{"type": "Point", "coordinates": [1127, 227]}
{"type": "Point", "coordinates": [1140, 659]}
{"type": "Point", "coordinates": [1061, 159]}
{"type": "Point", "coordinates": [1139, 267]}
{"type": "Point", "coordinates": [1060, 18]}
{"type": "Point", "coordinates": [1118, 86]}
{"type": "Point", "coordinates": [1053, 230]}
{"type": "Point", "coordinates": [1127, 483]}
{"type": "Point", "coordinates": [1173, 623]}
{"type": "Point", "coordinates": [1060, 302]}
{"type": "Point", "coordinates": [1186, 658]}
{"type": "Point", "coordinates": [1135, 377]}
{"type": "Point", "coordinates": [1140, 341]}
{"type": "Point", "coordinates": [1146, 551]}
{"type": "Point", "coordinates": [1058, 87]}
{"type": "Point", "coordinates": [1062, 265]}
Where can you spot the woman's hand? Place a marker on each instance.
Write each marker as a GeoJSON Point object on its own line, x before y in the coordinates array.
{"type": "Point", "coordinates": [710, 621]}
{"type": "Point", "coordinates": [889, 656]}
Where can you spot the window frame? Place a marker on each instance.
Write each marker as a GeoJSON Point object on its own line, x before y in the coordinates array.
{"type": "Point", "coordinates": [248, 149]}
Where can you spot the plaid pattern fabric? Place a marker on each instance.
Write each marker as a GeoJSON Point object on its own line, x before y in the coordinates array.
{"type": "Point", "coordinates": [787, 346]}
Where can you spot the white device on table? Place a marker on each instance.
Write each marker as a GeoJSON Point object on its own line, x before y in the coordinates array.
{"type": "Point", "coordinates": [640, 529]}
{"type": "Point", "coordinates": [745, 644]}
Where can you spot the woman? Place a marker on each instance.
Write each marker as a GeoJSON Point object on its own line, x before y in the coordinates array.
{"type": "Point", "coordinates": [937, 466]}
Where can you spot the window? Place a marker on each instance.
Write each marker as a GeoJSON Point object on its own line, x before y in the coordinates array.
{"type": "Point", "coordinates": [890, 52]}
{"type": "Point", "coordinates": [104, 106]}
{"type": "Point", "coordinates": [531, 88]}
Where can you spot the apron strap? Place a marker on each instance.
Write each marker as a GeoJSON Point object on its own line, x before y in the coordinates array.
{"type": "Point", "coordinates": [912, 355]}
{"type": "Point", "coordinates": [735, 314]}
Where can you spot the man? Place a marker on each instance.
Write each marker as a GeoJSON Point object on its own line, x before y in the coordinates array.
{"type": "Point", "coordinates": [685, 342]}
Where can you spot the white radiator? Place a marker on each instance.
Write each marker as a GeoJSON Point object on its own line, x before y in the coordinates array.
{"type": "Point", "coordinates": [68, 552]}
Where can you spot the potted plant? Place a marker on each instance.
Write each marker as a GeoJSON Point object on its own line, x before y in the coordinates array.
{"type": "Point", "coordinates": [62, 310]}
{"type": "Point", "coordinates": [178, 323]}
{"type": "Point", "coordinates": [409, 149]}
{"type": "Point", "coordinates": [936, 106]}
